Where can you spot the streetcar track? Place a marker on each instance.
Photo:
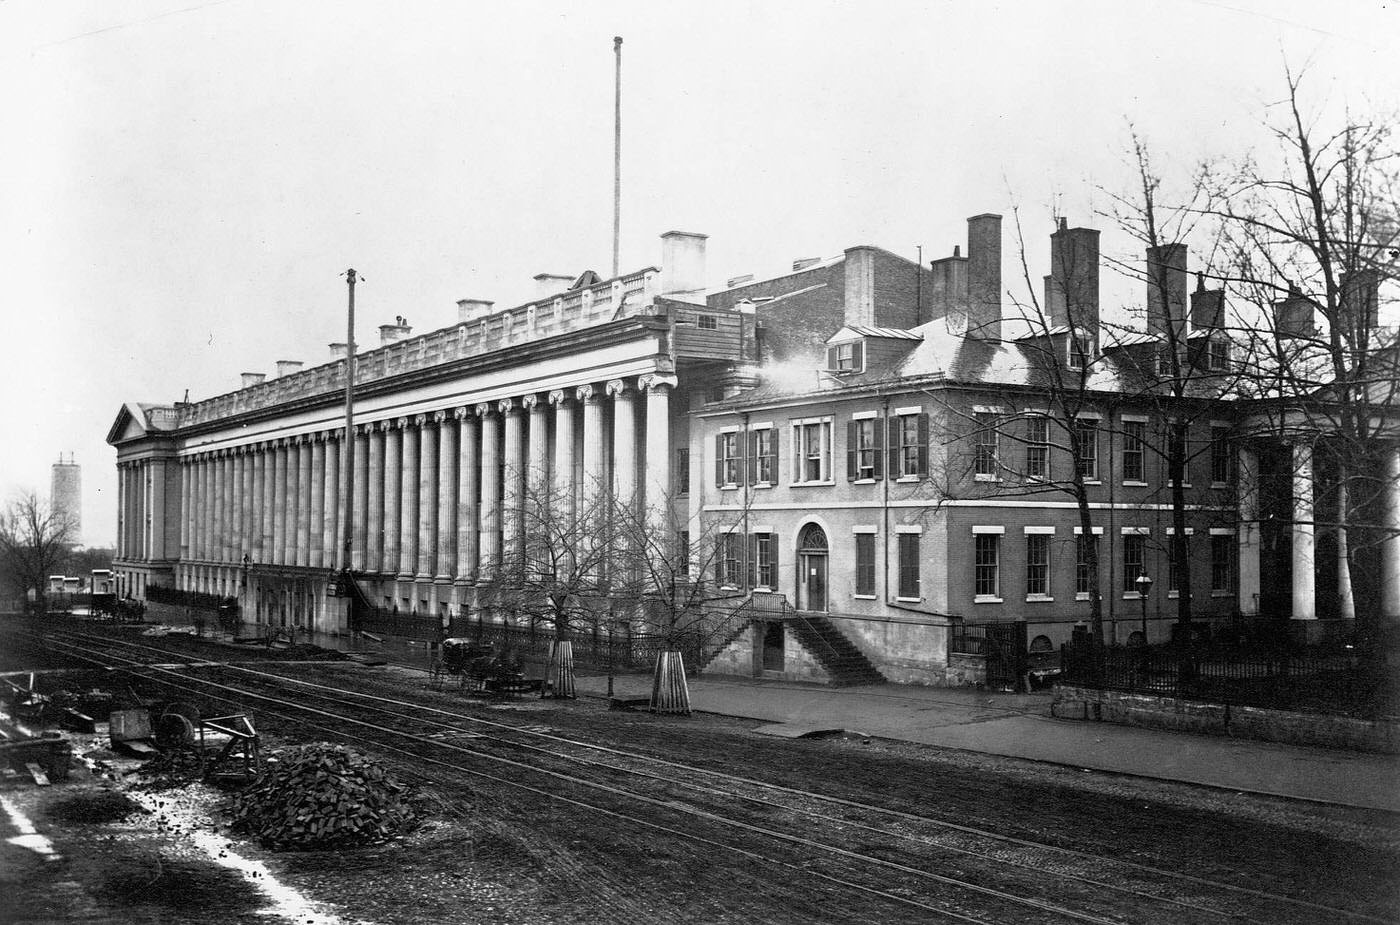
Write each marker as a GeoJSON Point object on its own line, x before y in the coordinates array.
{"type": "Point", "coordinates": [331, 692]}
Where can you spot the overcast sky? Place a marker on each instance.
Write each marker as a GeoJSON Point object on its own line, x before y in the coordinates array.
{"type": "Point", "coordinates": [181, 183]}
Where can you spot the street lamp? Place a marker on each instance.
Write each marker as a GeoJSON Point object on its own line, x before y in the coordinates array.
{"type": "Point", "coordinates": [1144, 586]}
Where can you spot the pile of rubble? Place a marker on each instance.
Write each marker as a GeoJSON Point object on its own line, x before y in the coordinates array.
{"type": "Point", "coordinates": [322, 796]}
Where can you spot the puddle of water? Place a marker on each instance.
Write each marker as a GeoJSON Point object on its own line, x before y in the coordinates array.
{"type": "Point", "coordinates": [28, 836]}
{"type": "Point", "coordinates": [284, 901]}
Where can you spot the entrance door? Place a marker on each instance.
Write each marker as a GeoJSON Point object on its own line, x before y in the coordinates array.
{"type": "Point", "coordinates": [812, 555]}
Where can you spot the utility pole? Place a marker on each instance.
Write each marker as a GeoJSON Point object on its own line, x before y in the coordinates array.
{"type": "Point", "coordinates": [617, 154]}
{"type": "Point", "coordinates": [347, 503]}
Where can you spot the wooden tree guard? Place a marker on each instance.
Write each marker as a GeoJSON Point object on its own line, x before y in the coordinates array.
{"type": "Point", "coordinates": [559, 671]}
{"type": "Point", "coordinates": [669, 691]}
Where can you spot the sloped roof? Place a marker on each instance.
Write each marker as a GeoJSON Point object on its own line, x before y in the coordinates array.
{"type": "Point", "coordinates": [137, 419]}
{"type": "Point", "coordinates": [852, 331]}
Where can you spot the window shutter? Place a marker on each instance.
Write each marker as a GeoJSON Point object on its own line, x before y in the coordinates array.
{"type": "Point", "coordinates": [850, 451]}
{"type": "Point", "coordinates": [773, 452]}
{"type": "Point", "coordinates": [923, 445]}
{"type": "Point", "coordinates": [719, 460]}
{"type": "Point", "coordinates": [892, 451]}
{"type": "Point", "coordinates": [773, 558]}
{"type": "Point", "coordinates": [878, 457]}
{"type": "Point", "coordinates": [858, 356]}
{"type": "Point", "coordinates": [751, 459]}
{"type": "Point", "coordinates": [831, 358]}
{"type": "Point", "coordinates": [753, 560]}
{"type": "Point", "coordinates": [797, 452]}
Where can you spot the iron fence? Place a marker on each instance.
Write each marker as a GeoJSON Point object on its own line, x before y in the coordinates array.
{"type": "Point", "coordinates": [1340, 683]}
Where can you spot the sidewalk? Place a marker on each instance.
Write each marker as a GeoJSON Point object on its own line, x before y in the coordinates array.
{"type": "Point", "coordinates": [1019, 726]}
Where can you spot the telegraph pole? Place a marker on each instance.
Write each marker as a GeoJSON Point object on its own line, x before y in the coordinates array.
{"type": "Point", "coordinates": [347, 503]}
{"type": "Point", "coordinates": [617, 153]}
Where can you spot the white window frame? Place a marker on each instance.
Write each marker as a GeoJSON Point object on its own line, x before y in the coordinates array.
{"type": "Point", "coordinates": [801, 452]}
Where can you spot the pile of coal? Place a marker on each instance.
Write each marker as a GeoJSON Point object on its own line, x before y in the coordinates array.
{"type": "Point", "coordinates": [323, 796]}
{"type": "Point", "coordinates": [170, 769]}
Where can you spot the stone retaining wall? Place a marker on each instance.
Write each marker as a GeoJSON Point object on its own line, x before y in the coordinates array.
{"type": "Point", "coordinates": [1315, 729]}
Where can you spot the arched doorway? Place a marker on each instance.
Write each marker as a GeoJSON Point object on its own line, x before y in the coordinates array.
{"type": "Point", "coordinates": [811, 582]}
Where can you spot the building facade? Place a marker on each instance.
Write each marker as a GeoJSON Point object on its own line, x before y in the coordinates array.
{"type": "Point", "coordinates": [878, 454]}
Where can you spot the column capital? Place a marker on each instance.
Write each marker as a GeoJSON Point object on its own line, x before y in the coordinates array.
{"type": "Point", "coordinates": [530, 402]}
{"type": "Point", "coordinates": [657, 381]}
{"type": "Point", "coordinates": [616, 387]}
{"type": "Point", "coordinates": [439, 417]}
{"type": "Point", "coordinates": [382, 426]}
{"type": "Point", "coordinates": [586, 393]}
{"type": "Point", "coordinates": [462, 413]}
{"type": "Point", "coordinates": [507, 405]}
{"type": "Point", "coordinates": [483, 408]}
{"type": "Point", "coordinates": [558, 396]}
{"type": "Point", "coordinates": [419, 420]}
{"type": "Point", "coordinates": [401, 423]}
{"type": "Point", "coordinates": [282, 443]}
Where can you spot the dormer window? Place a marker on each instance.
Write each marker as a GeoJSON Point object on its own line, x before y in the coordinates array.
{"type": "Point", "coordinates": [846, 358]}
{"type": "Point", "coordinates": [1078, 353]}
{"type": "Point", "coordinates": [1217, 355]}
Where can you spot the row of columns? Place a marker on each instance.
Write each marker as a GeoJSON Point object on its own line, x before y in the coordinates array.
{"type": "Point", "coordinates": [438, 496]}
{"type": "Point", "coordinates": [1304, 539]}
{"type": "Point", "coordinates": [140, 507]}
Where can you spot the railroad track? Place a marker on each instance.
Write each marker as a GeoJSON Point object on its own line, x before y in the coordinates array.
{"type": "Point", "coordinates": [957, 872]}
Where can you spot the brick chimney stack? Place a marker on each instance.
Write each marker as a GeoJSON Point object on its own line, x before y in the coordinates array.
{"type": "Point", "coordinates": [252, 379]}
{"type": "Point", "coordinates": [393, 333]}
{"type": "Point", "coordinates": [1166, 279]}
{"type": "Point", "coordinates": [1361, 298]}
{"type": "Point", "coordinates": [472, 309]}
{"type": "Point", "coordinates": [1207, 307]}
{"type": "Point", "coordinates": [984, 276]}
{"type": "Point", "coordinates": [683, 266]}
{"type": "Point", "coordinates": [287, 367]}
{"type": "Point", "coordinates": [1072, 288]}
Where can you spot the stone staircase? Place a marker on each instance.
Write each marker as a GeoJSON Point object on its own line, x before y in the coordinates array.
{"type": "Point", "coordinates": [843, 661]}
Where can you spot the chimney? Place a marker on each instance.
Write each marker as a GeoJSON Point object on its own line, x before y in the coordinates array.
{"type": "Point", "coordinates": [683, 266]}
{"type": "Point", "coordinates": [859, 273]}
{"type": "Point", "coordinates": [1293, 316]}
{"type": "Point", "coordinates": [339, 351]}
{"type": "Point", "coordinates": [548, 285]}
{"type": "Point", "coordinates": [1072, 288]}
{"type": "Point", "coordinates": [802, 263]}
{"type": "Point", "coordinates": [393, 333]}
{"type": "Point", "coordinates": [738, 280]}
{"type": "Point", "coordinates": [948, 295]}
{"type": "Point", "coordinates": [287, 367]}
{"type": "Point", "coordinates": [984, 276]}
{"type": "Point", "coordinates": [1361, 299]}
{"type": "Point", "coordinates": [252, 379]}
{"type": "Point", "coordinates": [472, 309]}
{"type": "Point", "coordinates": [1166, 278]}
{"type": "Point", "coordinates": [1207, 307]}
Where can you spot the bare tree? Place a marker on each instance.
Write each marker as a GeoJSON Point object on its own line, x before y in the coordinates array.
{"type": "Point", "coordinates": [34, 541]}
{"type": "Point", "coordinates": [1311, 243]}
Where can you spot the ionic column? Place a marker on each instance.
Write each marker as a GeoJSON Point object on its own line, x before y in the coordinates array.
{"type": "Point", "coordinates": [279, 506]}
{"type": "Point", "coordinates": [147, 509]}
{"type": "Point", "coordinates": [393, 479]}
{"type": "Point", "coordinates": [247, 503]}
{"type": "Point", "coordinates": [447, 495]}
{"type": "Point", "coordinates": [365, 488]}
{"type": "Point", "coordinates": [121, 510]}
{"type": "Point", "coordinates": [257, 463]}
{"type": "Point", "coordinates": [1390, 541]}
{"type": "Point", "coordinates": [468, 491]}
{"type": "Point", "coordinates": [374, 528]}
{"type": "Point", "coordinates": [537, 451]}
{"type": "Point", "coordinates": [229, 488]}
{"type": "Point", "coordinates": [1250, 544]}
{"type": "Point", "coordinates": [1304, 578]}
{"type": "Point", "coordinates": [408, 498]}
{"type": "Point", "coordinates": [428, 494]}
{"type": "Point", "coordinates": [184, 508]}
{"type": "Point", "coordinates": [158, 509]}
{"type": "Point", "coordinates": [332, 523]}
{"type": "Point", "coordinates": [235, 505]}
{"type": "Point", "coordinates": [624, 446]}
{"type": "Point", "coordinates": [512, 476]}
{"type": "Point", "coordinates": [593, 487]}
{"type": "Point", "coordinates": [302, 556]}
{"type": "Point", "coordinates": [490, 535]}
{"type": "Point", "coordinates": [1346, 603]}
{"type": "Point", "coordinates": [564, 488]}
{"type": "Point", "coordinates": [316, 515]}
{"type": "Point", "coordinates": [219, 496]}
{"type": "Point", "coordinates": [268, 553]}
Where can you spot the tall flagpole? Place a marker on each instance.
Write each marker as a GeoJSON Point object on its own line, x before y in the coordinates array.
{"type": "Point", "coordinates": [348, 464]}
{"type": "Point", "coordinates": [617, 154]}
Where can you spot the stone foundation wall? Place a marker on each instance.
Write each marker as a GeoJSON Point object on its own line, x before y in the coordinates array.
{"type": "Point", "coordinates": [965, 670]}
{"type": "Point", "coordinates": [1313, 729]}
